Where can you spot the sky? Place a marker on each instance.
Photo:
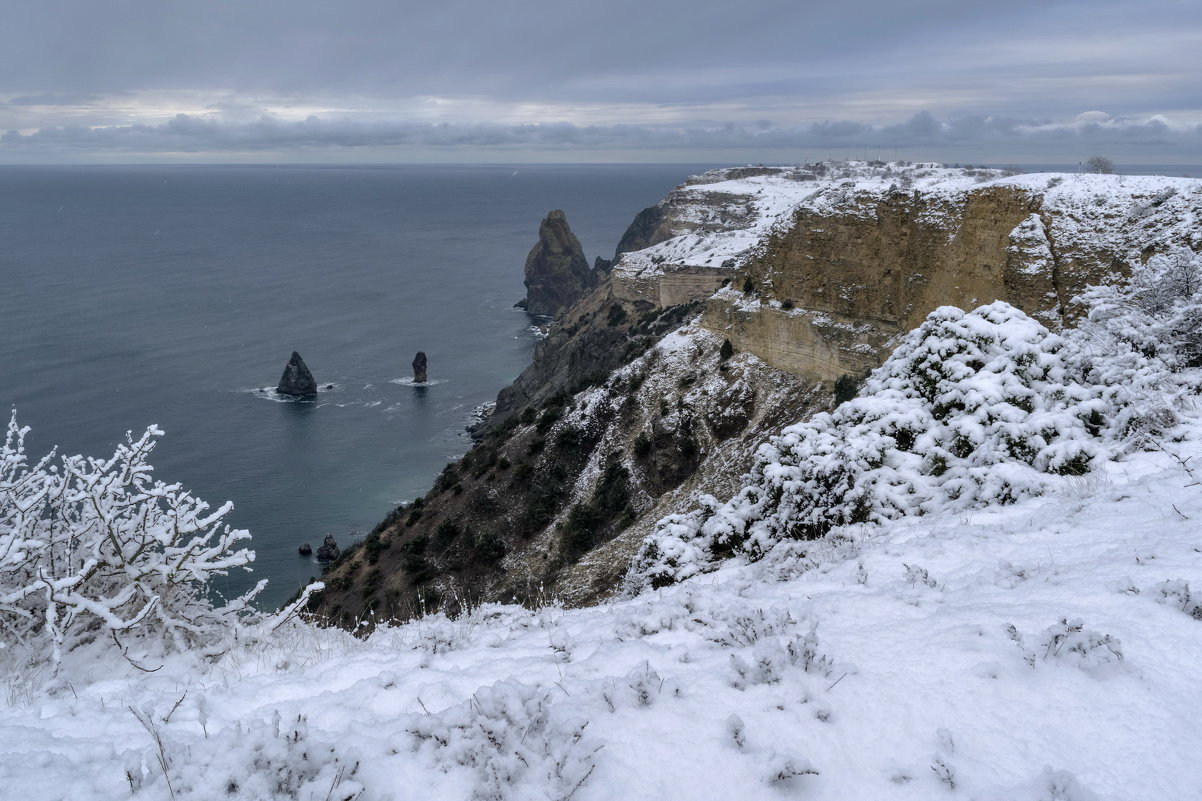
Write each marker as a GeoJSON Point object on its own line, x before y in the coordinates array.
{"type": "Point", "coordinates": [614, 81]}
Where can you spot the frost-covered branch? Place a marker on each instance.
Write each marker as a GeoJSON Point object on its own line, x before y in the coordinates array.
{"type": "Point", "coordinates": [87, 542]}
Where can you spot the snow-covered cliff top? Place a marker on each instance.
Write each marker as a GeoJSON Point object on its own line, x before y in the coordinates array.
{"type": "Point", "coordinates": [719, 217]}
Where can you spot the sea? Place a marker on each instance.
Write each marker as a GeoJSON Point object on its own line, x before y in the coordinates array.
{"type": "Point", "coordinates": [174, 296]}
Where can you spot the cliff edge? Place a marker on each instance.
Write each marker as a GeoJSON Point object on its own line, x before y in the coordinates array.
{"type": "Point", "coordinates": [754, 291]}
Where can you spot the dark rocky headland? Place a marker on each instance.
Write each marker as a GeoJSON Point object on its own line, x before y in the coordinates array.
{"type": "Point", "coordinates": [715, 325]}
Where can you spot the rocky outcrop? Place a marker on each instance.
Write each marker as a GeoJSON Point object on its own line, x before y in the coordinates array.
{"type": "Point", "coordinates": [419, 367]}
{"type": "Point", "coordinates": [305, 549]}
{"type": "Point", "coordinates": [828, 294]}
{"type": "Point", "coordinates": [654, 389]}
{"type": "Point", "coordinates": [329, 550]}
{"type": "Point", "coordinates": [557, 274]}
{"type": "Point", "coordinates": [645, 230]}
{"type": "Point", "coordinates": [297, 381]}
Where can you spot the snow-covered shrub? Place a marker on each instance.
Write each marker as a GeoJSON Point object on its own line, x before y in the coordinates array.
{"type": "Point", "coordinates": [642, 687]}
{"type": "Point", "coordinates": [744, 627]}
{"type": "Point", "coordinates": [1157, 312]}
{"type": "Point", "coordinates": [784, 769]}
{"type": "Point", "coordinates": [93, 546]}
{"type": "Point", "coordinates": [1176, 593]}
{"type": "Point", "coordinates": [511, 737]}
{"type": "Point", "coordinates": [770, 659]}
{"type": "Point", "coordinates": [1069, 641]}
{"type": "Point", "coordinates": [259, 762]}
{"type": "Point", "coordinates": [973, 408]}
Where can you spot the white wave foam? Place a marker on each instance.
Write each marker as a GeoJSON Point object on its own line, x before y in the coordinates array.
{"type": "Point", "coordinates": [270, 393]}
{"type": "Point", "coordinates": [409, 382]}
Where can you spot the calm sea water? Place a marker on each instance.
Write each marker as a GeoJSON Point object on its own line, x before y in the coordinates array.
{"type": "Point", "coordinates": [167, 295]}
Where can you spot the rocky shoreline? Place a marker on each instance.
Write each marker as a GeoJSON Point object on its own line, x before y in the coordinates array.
{"type": "Point", "coordinates": [731, 309]}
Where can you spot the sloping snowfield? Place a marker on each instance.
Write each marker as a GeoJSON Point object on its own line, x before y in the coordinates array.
{"type": "Point", "coordinates": [1044, 650]}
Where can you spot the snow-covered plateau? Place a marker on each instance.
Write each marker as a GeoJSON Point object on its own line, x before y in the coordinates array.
{"type": "Point", "coordinates": [980, 578]}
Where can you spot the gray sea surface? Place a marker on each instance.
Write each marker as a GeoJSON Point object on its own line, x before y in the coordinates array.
{"type": "Point", "coordinates": [170, 295]}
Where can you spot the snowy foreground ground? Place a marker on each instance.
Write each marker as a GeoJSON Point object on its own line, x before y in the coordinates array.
{"type": "Point", "coordinates": [1048, 650]}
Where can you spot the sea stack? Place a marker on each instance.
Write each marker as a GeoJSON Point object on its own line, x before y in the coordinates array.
{"type": "Point", "coordinates": [297, 381]}
{"type": "Point", "coordinates": [329, 550]}
{"type": "Point", "coordinates": [557, 274]}
{"type": "Point", "coordinates": [419, 367]}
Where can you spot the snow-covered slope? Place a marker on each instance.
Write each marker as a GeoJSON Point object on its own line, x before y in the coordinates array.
{"type": "Point", "coordinates": [1009, 610]}
{"type": "Point", "coordinates": [1045, 650]}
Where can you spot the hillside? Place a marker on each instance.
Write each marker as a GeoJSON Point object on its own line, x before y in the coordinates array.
{"type": "Point", "coordinates": [1040, 651]}
{"type": "Point", "coordinates": [634, 405]}
{"type": "Point", "coordinates": [974, 575]}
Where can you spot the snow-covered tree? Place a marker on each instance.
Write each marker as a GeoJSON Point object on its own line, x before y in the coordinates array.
{"type": "Point", "coordinates": [97, 547]}
{"type": "Point", "coordinates": [972, 409]}
{"type": "Point", "coordinates": [1158, 311]}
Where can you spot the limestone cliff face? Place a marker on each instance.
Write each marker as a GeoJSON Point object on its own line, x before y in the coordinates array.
{"type": "Point", "coordinates": [654, 388]}
{"type": "Point", "coordinates": [557, 274]}
{"type": "Point", "coordinates": [828, 293]}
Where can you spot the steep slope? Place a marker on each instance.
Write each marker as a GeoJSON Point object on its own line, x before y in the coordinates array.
{"type": "Point", "coordinates": [655, 388]}
{"type": "Point", "coordinates": [1044, 651]}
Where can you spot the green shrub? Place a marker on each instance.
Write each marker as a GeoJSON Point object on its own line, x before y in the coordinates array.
{"type": "Point", "coordinates": [569, 438]}
{"type": "Point", "coordinates": [445, 534]}
{"type": "Point", "coordinates": [582, 529]}
{"type": "Point", "coordinates": [551, 413]}
{"type": "Point", "coordinates": [846, 388]}
{"type": "Point", "coordinates": [489, 547]}
{"type": "Point", "coordinates": [447, 478]}
{"type": "Point", "coordinates": [372, 583]}
{"type": "Point", "coordinates": [414, 562]}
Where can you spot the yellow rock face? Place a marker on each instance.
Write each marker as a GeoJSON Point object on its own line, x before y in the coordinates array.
{"type": "Point", "coordinates": [827, 295]}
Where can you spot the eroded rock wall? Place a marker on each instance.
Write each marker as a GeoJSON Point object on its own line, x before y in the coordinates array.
{"type": "Point", "coordinates": [828, 294]}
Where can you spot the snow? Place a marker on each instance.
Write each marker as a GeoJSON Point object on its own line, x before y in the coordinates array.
{"type": "Point", "coordinates": [941, 644]}
{"type": "Point", "coordinates": [936, 655]}
{"type": "Point", "coordinates": [720, 220]}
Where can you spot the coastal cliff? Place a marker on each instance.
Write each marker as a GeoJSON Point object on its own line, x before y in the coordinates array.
{"type": "Point", "coordinates": [731, 309]}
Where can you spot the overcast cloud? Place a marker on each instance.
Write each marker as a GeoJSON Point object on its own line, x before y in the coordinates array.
{"type": "Point", "coordinates": [659, 80]}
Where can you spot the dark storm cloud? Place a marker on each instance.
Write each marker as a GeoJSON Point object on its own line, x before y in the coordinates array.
{"type": "Point", "coordinates": [455, 46]}
{"type": "Point", "coordinates": [188, 134]}
{"type": "Point", "coordinates": [650, 71]}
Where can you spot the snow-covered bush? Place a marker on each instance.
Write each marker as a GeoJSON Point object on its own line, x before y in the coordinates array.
{"type": "Point", "coordinates": [973, 408]}
{"type": "Point", "coordinates": [96, 546]}
{"type": "Point", "coordinates": [1176, 593]}
{"type": "Point", "coordinates": [1157, 313]}
{"type": "Point", "coordinates": [512, 738]}
{"type": "Point", "coordinates": [260, 761]}
{"type": "Point", "coordinates": [1070, 642]}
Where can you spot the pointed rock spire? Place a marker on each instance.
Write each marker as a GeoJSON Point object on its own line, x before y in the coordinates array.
{"type": "Point", "coordinates": [419, 367]}
{"type": "Point", "coordinates": [297, 380]}
{"type": "Point", "coordinates": [557, 274]}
